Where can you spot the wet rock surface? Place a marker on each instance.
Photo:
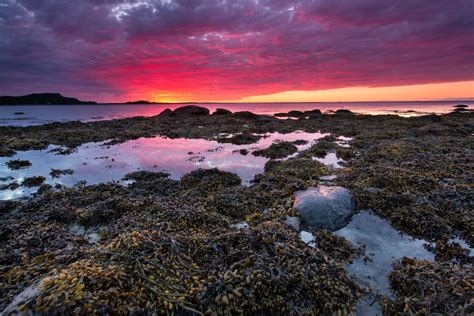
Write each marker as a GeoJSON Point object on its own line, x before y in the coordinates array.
{"type": "Point", "coordinates": [328, 207]}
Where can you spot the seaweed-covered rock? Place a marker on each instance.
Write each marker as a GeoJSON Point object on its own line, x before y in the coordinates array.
{"type": "Point", "coordinates": [17, 164]}
{"type": "Point", "coordinates": [144, 175]}
{"type": "Point", "coordinates": [427, 288]}
{"type": "Point", "coordinates": [191, 110]}
{"type": "Point", "coordinates": [165, 112]}
{"type": "Point", "coordinates": [315, 112]}
{"type": "Point", "coordinates": [33, 181]}
{"type": "Point", "coordinates": [240, 139]}
{"type": "Point", "coordinates": [245, 115]}
{"type": "Point", "coordinates": [209, 178]}
{"type": "Point", "coordinates": [325, 207]}
{"type": "Point", "coordinates": [220, 111]}
{"type": "Point", "coordinates": [6, 152]}
{"type": "Point", "coordinates": [277, 150]}
{"type": "Point", "coordinates": [57, 173]}
{"type": "Point", "coordinates": [296, 114]}
{"type": "Point", "coordinates": [344, 111]}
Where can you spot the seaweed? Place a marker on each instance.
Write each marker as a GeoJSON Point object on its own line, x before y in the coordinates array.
{"type": "Point", "coordinates": [18, 164]}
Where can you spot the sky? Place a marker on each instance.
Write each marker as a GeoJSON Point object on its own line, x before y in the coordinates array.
{"type": "Point", "coordinates": [238, 50]}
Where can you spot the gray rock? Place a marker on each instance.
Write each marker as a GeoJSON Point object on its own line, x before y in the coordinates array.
{"type": "Point", "coordinates": [293, 222]}
{"type": "Point", "coordinates": [329, 207]}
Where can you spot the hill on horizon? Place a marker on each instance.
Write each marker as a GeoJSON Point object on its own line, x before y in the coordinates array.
{"type": "Point", "coordinates": [41, 99]}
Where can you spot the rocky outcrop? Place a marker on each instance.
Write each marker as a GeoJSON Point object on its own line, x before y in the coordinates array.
{"type": "Point", "coordinates": [344, 111]}
{"type": "Point", "coordinates": [220, 111]}
{"type": "Point", "coordinates": [166, 112]}
{"type": "Point", "coordinates": [191, 110]}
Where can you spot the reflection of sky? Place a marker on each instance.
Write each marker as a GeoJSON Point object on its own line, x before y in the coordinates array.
{"type": "Point", "coordinates": [384, 244]}
{"type": "Point", "coordinates": [95, 163]}
{"type": "Point", "coordinates": [330, 160]}
{"type": "Point", "coordinates": [40, 114]}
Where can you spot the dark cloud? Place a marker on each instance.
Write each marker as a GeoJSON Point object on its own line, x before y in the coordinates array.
{"type": "Point", "coordinates": [223, 49]}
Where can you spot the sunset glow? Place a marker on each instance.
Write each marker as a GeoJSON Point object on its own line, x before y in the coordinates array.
{"type": "Point", "coordinates": [246, 50]}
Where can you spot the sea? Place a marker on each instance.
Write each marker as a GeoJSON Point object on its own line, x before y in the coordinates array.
{"type": "Point", "coordinates": [26, 115]}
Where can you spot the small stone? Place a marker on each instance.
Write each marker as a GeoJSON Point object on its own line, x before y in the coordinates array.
{"type": "Point", "coordinates": [293, 222]}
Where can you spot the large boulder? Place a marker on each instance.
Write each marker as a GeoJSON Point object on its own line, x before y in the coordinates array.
{"type": "Point", "coordinates": [328, 207]}
{"type": "Point", "coordinates": [190, 110]}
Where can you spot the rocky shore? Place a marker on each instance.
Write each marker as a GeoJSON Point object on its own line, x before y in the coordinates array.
{"type": "Point", "coordinates": [206, 244]}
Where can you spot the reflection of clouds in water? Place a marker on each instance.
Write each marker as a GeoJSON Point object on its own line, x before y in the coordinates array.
{"type": "Point", "coordinates": [96, 163]}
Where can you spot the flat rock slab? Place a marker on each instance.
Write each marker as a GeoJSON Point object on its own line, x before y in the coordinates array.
{"type": "Point", "coordinates": [328, 207]}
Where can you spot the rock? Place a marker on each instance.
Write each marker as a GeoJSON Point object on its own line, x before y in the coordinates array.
{"type": "Point", "coordinates": [344, 111]}
{"type": "Point", "coordinates": [33, 181]}
{"type": "Point", "coordinates": [308, 238]}
{"type": "Point", "coordinates": [220, 111]}
{"type": "Point", "coordinates": [461, 106]}
{"type": "Point", "coordinates": [166, 112]}
{"type": "Point", "coordinates": [240, 139]}
{"type": "Point", "coordinates": [293, 222]}
{"type": "Point", "coordinates": [325, 207]}
{"type": "Point", "coordinates": [462, 110]}
{"type": "Point", "coordinates": [296, 114]}
{"type": "Point", "coordinates": [19, 113]}
{"type": "Point", "coordinates": [245, 115]}
{"type": "Point", "coordinates": [314, 112]}
{"type": "Point", "coordinates": [277, 150]}
{"type": "Point", "coordinates": [191, 110]}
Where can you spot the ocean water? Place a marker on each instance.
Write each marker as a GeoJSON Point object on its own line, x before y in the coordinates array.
{"type": "Point", "coordinates": [42, 114]}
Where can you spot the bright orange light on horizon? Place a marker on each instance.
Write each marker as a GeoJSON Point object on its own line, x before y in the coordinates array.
{"type": "Point", "coordinates": [420, 92]}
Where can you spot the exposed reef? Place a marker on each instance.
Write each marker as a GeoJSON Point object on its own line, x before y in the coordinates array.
{"type": "Point", "coordinates": [208, 244]}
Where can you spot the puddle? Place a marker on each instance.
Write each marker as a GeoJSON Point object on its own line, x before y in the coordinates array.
{"type": "Point", "coordinates": [308, 238]}
{"type": "Point", "coordinates": [330, 160]}
{"type": "Point", "coordinates": [343, 141]}
{"type": "Point", "coordinates": [96, 163]}
{"type": "Point", "coordinates": [383, 245]}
